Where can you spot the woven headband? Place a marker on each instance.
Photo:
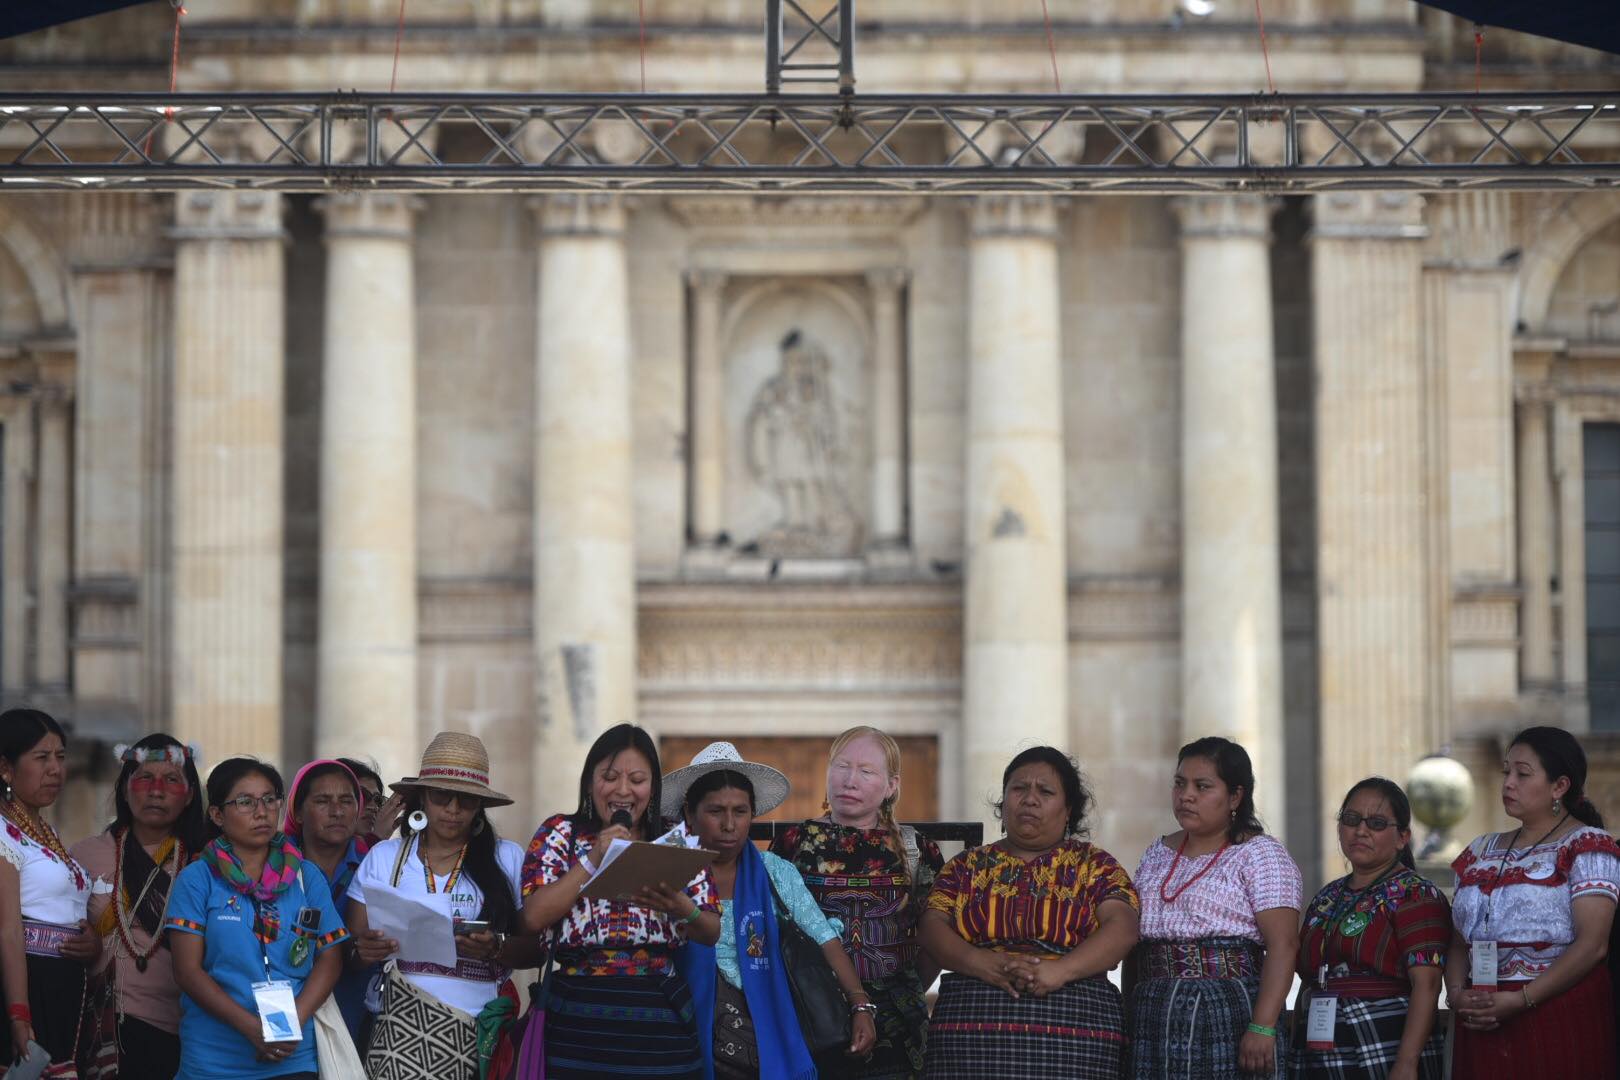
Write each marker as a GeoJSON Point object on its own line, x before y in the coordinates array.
{"type": "Point", "coordinates": [141, 755]}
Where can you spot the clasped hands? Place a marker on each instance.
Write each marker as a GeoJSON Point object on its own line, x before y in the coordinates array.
{"type": "Point", "coordinates": [1486, 1010]}
{"type": "Point", "coordinates": [1021, 973]}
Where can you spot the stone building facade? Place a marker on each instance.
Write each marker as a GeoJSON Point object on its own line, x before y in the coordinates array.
{"type": "Point", "coordinates": [1336, 475]}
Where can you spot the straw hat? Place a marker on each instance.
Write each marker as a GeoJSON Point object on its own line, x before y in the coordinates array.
{"type": "Point", "coordinates": [456, 761]}
{"type": "Point", "coordinates": [770, 786]}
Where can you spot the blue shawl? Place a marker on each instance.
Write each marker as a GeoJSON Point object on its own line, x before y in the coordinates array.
{"type": "Point", "coordinates": [782, 1052]}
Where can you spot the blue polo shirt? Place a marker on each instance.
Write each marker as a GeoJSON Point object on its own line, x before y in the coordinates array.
{"type": "Point", "coordinates": [352, 985]}
{"type": "Point", "coordinates": [200, 903]}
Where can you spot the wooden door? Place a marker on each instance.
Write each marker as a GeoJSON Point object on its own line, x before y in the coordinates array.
{"type": "Point", "coordinates": [804, 762]}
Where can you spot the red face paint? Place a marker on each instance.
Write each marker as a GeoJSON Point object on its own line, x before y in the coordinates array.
{"type": "Point", "coordinates": [146, 785]}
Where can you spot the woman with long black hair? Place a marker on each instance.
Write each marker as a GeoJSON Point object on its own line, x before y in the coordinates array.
{"type": "Point", "coordinates": [45, 941]}
{"type": "Point", "coordinates": [158, 827]}
{"type": "Point", "coordinates": [617, 1007]}
{"type": "Point", "coordinates": [1533, 912]}
{"type": "Point", "coordinates": [427, 1028]}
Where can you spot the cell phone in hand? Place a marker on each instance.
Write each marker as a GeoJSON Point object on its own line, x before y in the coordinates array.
{"type": "Point", "coordinates": [31, 1067]}
{"type": "Point", "coordinates": [472, 926]}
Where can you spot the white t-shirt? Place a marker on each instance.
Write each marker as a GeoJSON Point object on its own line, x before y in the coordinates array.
{"type": "Point", "coordinates": [468, 995]}
{"type": "Point", "coordinates": [52, 891]}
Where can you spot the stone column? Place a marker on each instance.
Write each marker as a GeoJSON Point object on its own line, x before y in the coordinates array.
{"type": "Point", "coordinates": [1376, 639]}
{"type": "Point", "coordinates": [1231, 622]}
{"type": "Point", "coordinates": [55, 528]}
{"type": "Point", "coordinates": [708, 473]}
{"type": "Point", "coordinates": [1015, 634]}
{"type": "Point", "coordinates": [366, 658]}
{"type": "Point", "coordinates": [229, 371]}
{"type": "Point", "coordinates": [584, 558]}
{"type": "Point", "coordinates": [1538, 516]}
{"type": "Point", "coordinates": [888, 512]}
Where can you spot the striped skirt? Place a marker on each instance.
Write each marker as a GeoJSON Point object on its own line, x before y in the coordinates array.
{"type": "Point", "coordinates": [1365, 1041]}
{"type": "Point", "coordinates": [1189, 1029]}
{"type": "Point", "coordinates": [1571, 1035]}
{"type": "Point", "coordinates": [621, 1025]}
{"type": "Point", "coordinates": [980, 1031]}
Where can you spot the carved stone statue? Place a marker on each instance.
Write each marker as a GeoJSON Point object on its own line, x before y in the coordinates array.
{"type": "Point", "coordinates": [792, 438]}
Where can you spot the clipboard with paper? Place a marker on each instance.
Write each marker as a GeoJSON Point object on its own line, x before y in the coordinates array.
{"type": "Point", "coordinates": [630, 866]}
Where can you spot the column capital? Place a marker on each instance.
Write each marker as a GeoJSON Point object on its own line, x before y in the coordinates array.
{"type": "Point", "coordinates": [1368, 215]}
{"type": "Point", "coordinates": [580, 215]}
{"type": "Point", "coordinates": [887, 280]}
{"type": "Point", "coordinates": [371, 215]}
{"type": "Point", "coordinates": [1224, 216]}
{"type": "Point", "coordinates": [707, 281]}
{"type": "Point", "coordinates": [227, 215]}
{"type": "Point", "coordinates": [118, 231]}
{"type": "Point", "coordinates": [1032, 216]}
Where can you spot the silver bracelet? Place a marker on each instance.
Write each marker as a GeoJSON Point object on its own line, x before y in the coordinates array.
{"type": "Point", "coordinates": [864, 1007]}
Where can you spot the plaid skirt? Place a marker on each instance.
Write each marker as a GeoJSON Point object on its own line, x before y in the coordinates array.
{"type": "Point", "coordinates": [1365, 1041]}
{"type": "Point", "coordinates": [1571, 1035]}
{"type": "Point", "coordinates": [981, 1031]}
{"type": "Point", "coordinates": [621, 1026]}
{"type": "Point", "coordinates": [1189, 1029]}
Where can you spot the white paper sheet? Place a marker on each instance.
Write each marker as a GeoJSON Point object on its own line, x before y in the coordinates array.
{"type": "Point", "coordinates": [421, 925]}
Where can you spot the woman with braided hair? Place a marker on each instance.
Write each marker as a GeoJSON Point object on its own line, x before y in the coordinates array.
{"type": "Point", "coordinates": [158, 828]}
{"type": "Point", "coordinates": [872, 874]}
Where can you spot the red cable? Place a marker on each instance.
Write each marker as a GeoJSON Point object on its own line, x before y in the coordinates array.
{"type": "Point", "coordinates": [174, 73]}
{"type": "Point", "coordinates": [641, 14]}
{"type": "Point", "coordinates": [1051, 46]}
{"type": "Point", "coordinates": [1264, 50]}
{"type": "Point", "coordinates": [1479, 47]}
{"type": "Point", "coordinates": [399, 32]}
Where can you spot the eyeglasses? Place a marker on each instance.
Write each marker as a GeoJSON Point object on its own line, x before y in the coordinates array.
{"type": "Point", "coordinates": [441, 797]}
{"type": "Point", "coordinates": [373, 798]}
{"type": "Point", "coordinates": [246, 803]}
{"type": "Point", "coordinates": [1377, 823]}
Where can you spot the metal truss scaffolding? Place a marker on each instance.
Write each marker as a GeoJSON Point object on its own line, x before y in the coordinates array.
{"type": "Point", "coordinates": [799, 143]}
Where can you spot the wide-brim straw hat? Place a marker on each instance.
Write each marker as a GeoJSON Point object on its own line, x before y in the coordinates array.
{"type": "Point", "coordinates": [770, 785]}
{"type": "Point", "coordinates": [456, 761]}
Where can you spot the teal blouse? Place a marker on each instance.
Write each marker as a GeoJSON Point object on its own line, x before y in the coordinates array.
{"type": "Point", "coordinates": [801, 908]}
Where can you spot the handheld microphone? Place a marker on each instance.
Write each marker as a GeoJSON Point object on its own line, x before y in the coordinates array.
{"type": "Point", "coordinates": [621, 817]}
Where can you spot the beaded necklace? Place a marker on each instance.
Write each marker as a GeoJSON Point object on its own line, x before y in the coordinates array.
{"type": "Point", "coordinates": [125, 934]}
{"type": "Point", "coordinates": [40, 832]}
{"type": "Point", "coordinates": [427, 869]}
{"type": "Point", "coordinates": [1171, 897]}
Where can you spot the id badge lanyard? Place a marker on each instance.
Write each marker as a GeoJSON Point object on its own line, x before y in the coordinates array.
{"type": "Point", "coordinates": [273, 998]}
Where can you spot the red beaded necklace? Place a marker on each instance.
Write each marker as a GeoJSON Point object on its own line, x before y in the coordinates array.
{"type": "Point", "coordinates": [40, 832]}
{"type": "Point", "coordinates": [1169, 897]}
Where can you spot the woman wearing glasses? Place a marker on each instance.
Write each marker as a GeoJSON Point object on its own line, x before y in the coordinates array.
{"type": "Point", "coordinates": [252, 934]}
{"type": "Point", "coordinates": [430, 1013]}
{"type": "Point", "coordinates": [1220, 929]}
{"type": "Point", "coordinates": [1372, 951]}
{"type": "Point", "coordinates": [1533, 912]}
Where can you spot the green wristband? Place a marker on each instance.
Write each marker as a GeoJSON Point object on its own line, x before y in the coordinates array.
{"type": "Point", "coordinates": [1261, 1029]}
{"type": "Point", "coordinates": [688, 920]}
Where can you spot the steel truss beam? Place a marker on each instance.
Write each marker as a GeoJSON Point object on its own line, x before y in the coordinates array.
{"type": "Point", "coordinates": [954, 144]}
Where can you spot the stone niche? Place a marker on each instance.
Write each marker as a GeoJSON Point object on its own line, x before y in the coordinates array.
{"type": "Point", "coordinates": [797, 468]}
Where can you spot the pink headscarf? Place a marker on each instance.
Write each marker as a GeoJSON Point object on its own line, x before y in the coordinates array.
{"type": "Point", "coordinates": [289, 825]}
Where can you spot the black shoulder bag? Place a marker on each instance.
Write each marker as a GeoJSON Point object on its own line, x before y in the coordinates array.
{"type": "Point", "coordinates": [817, 998]}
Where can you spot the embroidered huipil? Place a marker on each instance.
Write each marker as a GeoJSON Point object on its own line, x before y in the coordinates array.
{"type": "Point", "coordinates": [601, 937]}
{"type": "Point", "coordinates": [1394, 925]}
{"type": "Point", "coordinates": [1527, 894]}
{"type": "Point", "coordinates": [49, 890]}
{"type": "Point", "coordinates": [859, 880]}
{"type": "Point", "coordinates": [1256, 875]}
{"type": "Point", "coordinates": [995, 899]}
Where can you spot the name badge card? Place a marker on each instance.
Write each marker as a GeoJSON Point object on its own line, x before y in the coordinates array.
{"type": "Point", "coordinates": [1482, 965]}
{"type": "Point", "coordinates": [278, 1012]}
{"type": "Point", "coordinates": [1320, 1022]}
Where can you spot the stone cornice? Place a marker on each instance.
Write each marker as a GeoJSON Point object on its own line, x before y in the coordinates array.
{"type": "Point", "coordinates": [369, 215]}
{"type": "Point", "coordinates": [580, 215]}
{"type": "Point", "coordinates": [745, 211]}
{"type": "Point", "coordinates": [1001, 216]}
{"type": "Point", "coordinates": [1225, 216]}
{"type": "Point", "coordinates": [228, 215]}
{"type": "Point", "coordinates": [1368, 215]}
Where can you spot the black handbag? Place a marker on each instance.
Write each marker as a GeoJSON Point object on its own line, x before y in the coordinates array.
{"type": "Point", "coordinates": [817, 998]}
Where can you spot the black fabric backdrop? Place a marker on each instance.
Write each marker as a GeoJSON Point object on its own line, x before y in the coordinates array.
{"type": "Point", "coordinates": [23, 16]}
{"type": "Point", "coordinates": [1594, 23]}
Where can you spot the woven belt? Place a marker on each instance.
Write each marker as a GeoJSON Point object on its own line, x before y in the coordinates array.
{"type": "Point", "coordinates": [471, 970]}
{"type": "Point", "coordinates": [1200, 960]}
{"type": "Point", "coordinates": [1367, 986]}
{"type": "Point", "coordinates": [644, 961]}
{"type": "Point", "coordinates": [45, 939]}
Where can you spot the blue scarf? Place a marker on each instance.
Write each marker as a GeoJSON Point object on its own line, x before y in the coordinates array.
{"type": "Point", "coordinates": [782, 1052]}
